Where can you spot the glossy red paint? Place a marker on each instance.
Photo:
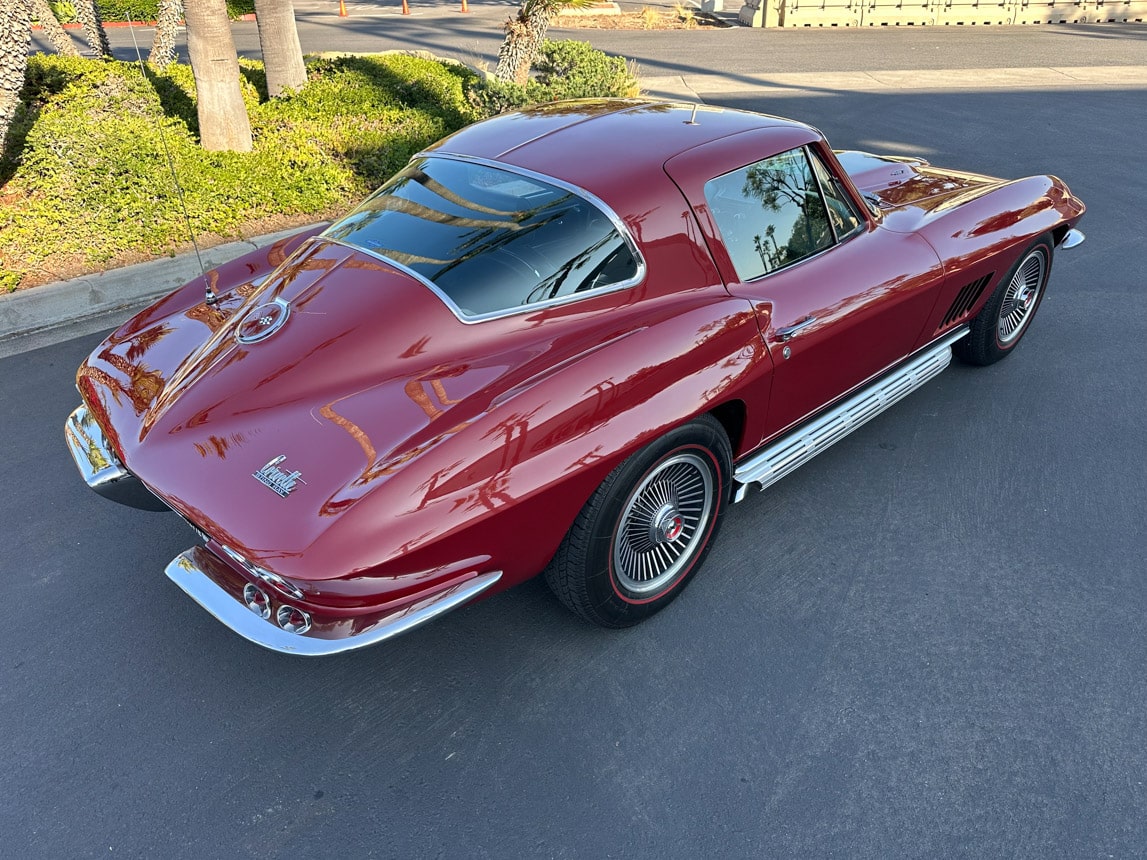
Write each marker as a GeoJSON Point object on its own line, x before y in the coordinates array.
{"type": "Point", "coordinates": [430, 449]}
{"type": "Point", "coordinates": [375, 383]}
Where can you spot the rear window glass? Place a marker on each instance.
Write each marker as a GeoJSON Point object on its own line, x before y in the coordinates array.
{"type": "Point", "coordinates": [489, 239]}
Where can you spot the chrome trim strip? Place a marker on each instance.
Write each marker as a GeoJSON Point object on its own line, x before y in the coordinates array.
{"type": "Point", "coordinates": [798, 446]}
{"type": "Point", "coordinates": [101, 468]}
{"type": "Point", "coordinates": [263, 574]}
{"type": "Point", "coordinates": [605, 208]}
{"type": "Point", "coordinates": [271, 328]}
{"type": "Point", "coordinates": [1072, 239]}
{"type": "Point", "coordinates": [471, 319]}
{"type": "Point", "coordinates": [185, 573]}
{"type": "Point", "coordinates": [422, 279]}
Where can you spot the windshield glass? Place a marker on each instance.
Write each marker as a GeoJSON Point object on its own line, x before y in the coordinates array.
{"type": "Point", "coordinates": [489, 239]}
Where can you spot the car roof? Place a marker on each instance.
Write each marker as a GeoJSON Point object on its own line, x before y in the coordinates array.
{"type": "Point", "coordinates": [610, 147]}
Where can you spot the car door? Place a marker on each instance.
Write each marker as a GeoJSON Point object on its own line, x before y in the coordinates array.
{"type": "Point", "coordinates": [838, 299]}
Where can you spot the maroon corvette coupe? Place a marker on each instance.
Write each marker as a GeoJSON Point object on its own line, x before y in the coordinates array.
{"type": "Point", "coordinates": [516, 357]}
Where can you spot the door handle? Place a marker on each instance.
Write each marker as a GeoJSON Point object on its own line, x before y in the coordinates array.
{"type": "Point", "coordinates": [789, 332]}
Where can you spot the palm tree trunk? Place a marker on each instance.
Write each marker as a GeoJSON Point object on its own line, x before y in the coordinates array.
{"type": "Point", "coordinates": [279, 42]}
{"type": "Point", "coordinates": [223, 122]}
{"type": "Point", "coordinates": [166, 25]}
{"type": "Point", "coordinates": [89, 16]}
{"type": "Point", "coordinates": [517, 53]}
{"type": "Point", "coordinates": [15, 39]}
{"type": "Point", "coordinates": [525, 33]}
{"type": "Point", "coordinates": [56, 34]}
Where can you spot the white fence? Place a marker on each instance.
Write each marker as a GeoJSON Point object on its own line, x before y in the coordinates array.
{"type": "Point", "coordinates": [918, 13]}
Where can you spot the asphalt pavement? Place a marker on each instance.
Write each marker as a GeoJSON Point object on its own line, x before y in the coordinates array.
{"type": "Point", "coordinates": [928, 642]}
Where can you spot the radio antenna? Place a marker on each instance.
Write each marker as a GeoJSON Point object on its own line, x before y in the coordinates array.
{"type": "Point", "coordinates": [209, 294]}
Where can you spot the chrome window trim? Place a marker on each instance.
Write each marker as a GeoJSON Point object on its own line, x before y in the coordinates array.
{"type": "Point", "coordinates": [838, 242]}
{"type": "Point", "coordinates": [470, 319]}
{"type": "Point", "coordinates": [814, 159]}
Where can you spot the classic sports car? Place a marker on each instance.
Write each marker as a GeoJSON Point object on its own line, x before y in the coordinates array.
{"type": "Point", "coordinates": [514, 358]}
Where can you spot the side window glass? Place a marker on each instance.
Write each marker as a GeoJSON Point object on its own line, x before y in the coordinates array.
{"type": "Point", "coordinates": [770, 214]}
{"type": "Point", "coordinates": [842, 214]}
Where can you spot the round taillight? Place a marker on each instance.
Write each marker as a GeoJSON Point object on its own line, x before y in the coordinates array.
{"type": "Point", "coordinates": [293, 620]}
{"type": "Point", "coordinates": [257, 600]}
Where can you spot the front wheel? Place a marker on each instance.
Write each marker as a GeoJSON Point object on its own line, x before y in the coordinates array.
{"type": "Point", "coordinates": [1005, 318]}
{"type": "Point", "coordinates": [646, 530]}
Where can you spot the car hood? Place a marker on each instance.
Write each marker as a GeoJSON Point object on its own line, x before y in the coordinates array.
{"type": "Point", "coordinates": [357, 368]}
{"type": "Point", "coordinates": [909, 190]}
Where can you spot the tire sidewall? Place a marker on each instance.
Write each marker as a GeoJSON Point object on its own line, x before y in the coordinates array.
{"type": "Point", "coordinates": [698, 438]}
{"type": "Point", "coordinates": [982, 346]}
{"type": "Point", "coordinates": [998, 299]}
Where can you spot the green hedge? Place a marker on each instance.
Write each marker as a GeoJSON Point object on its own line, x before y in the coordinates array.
{"type": "Point", "coordinates": [85, 183]}
{"type": "Point", "coordinates": [137, 10]}
{"type": "Point", "coordinates": [88, 180]}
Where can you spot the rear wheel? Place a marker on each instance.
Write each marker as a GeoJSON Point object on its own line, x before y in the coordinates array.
{"type": "Point", "coordinates": [1001, 323]}
{"type": "Point", "coordinates": [646, 530]}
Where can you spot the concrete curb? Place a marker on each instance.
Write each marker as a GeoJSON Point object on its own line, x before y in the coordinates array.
{"type": "Point", "coordinates": [29, 318]}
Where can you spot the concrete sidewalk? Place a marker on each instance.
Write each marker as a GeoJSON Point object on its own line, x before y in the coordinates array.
{"type": "Point", "coordinates": [55, 312]}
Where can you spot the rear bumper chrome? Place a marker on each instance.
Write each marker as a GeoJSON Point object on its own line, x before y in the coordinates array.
{"type": "Point", "coordinates": [202, 574]}
{"type": "Point", "coordinates": [101, 468]}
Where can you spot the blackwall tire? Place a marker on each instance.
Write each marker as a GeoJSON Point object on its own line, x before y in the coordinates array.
{"type": "Point", "coordinates": [646, 530]}
{"type": "Point", "coordinates": [1006, 317]}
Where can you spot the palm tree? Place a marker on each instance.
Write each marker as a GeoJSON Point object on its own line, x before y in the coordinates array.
{"type": "Point", "coordinates": [89, 15]}
{"type": "Point", "coordinates": [15, 39]}
{"type": "Point", "coordinates": [60, 40]}
{"type": "Point", "coordinates": [279, 42]}
{"type": "Point", "coordinates": [525, 33]}
{"type": "Point", "coordinates": [166, 24]}
{"type": "Point", "coordinates": [223, 122]}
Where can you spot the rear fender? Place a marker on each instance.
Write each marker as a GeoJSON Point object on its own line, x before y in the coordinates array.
{"type": "Point", "coordinates": [509, 484]}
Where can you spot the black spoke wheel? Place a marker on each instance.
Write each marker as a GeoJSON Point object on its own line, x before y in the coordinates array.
{"type": "Point", "coordinates": [1005, 318]}
{"type": "Point", "coordinates": [646, 530]}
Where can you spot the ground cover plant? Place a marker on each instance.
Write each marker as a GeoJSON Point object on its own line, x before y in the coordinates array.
{"type": "Point", "coordinates": [85, 184]}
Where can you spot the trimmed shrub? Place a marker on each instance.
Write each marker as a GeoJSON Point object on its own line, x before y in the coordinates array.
{"type": "Point", "coordinates": [577, 70]}
{"type": "Point", "coordinates": [491, 96]}
{"type": "Point", "coordinates": [563, 70]}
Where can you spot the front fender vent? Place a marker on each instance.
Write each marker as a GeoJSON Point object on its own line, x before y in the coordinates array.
{"type": "Point", "coordinates": [965, 300]}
